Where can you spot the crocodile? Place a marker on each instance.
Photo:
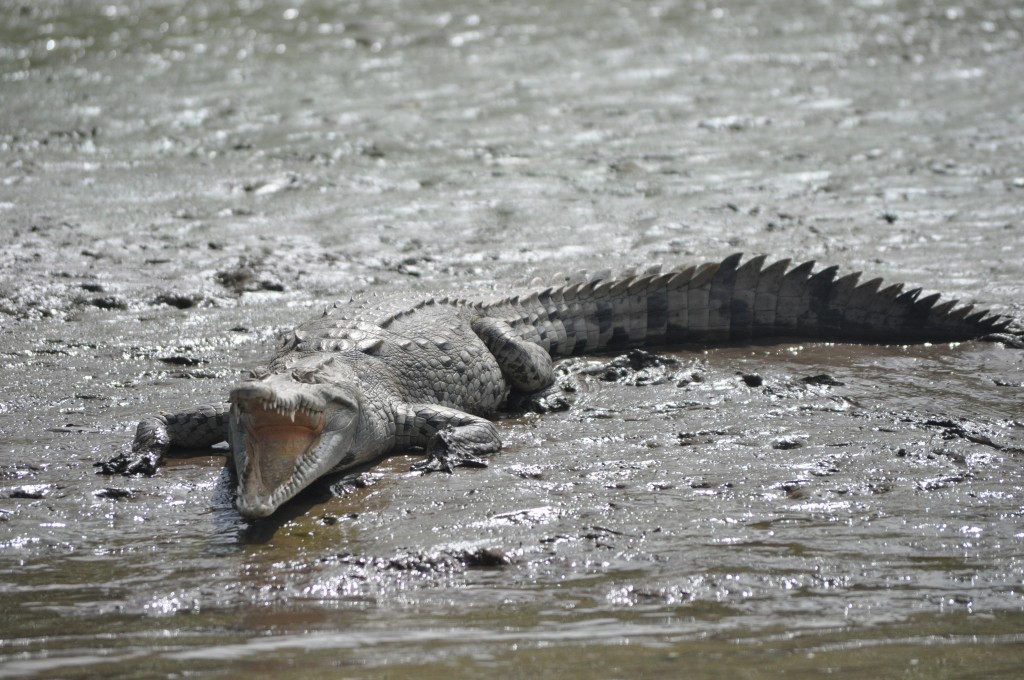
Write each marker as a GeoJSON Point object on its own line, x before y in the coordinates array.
{"type": "Point", "coordinates": [378, 375]}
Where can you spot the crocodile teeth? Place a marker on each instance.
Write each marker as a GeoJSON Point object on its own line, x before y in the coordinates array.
{"type": "Point", "coordinates": [286, 409]}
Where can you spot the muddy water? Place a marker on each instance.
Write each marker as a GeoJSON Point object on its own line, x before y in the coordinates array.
{"type": "Point", "coordinates": [181, 181]}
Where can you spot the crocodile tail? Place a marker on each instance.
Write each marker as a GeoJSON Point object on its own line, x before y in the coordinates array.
{"type": "Point", "coordinates": [736, 301]}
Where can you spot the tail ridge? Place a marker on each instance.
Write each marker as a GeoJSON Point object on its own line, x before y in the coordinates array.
{"type": "Point", "coordinates": [736, 300]}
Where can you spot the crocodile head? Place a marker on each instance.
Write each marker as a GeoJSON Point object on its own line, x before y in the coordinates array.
{"type": "Point", "coordinates": [289, 427]}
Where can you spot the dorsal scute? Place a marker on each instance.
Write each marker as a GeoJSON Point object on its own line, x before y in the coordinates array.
{"type": "Point", "coordinates": [927, 302]}
{"type": "Point", "coordinates": [826, 274]}
{"type": "Point", "coordinates": [891, 292]}
{"type": "Point", "coordinates": [397, 308]}
{"type": "Point", "coordinates": [573, 278]}
{"type": "Point", "coordinates": [870, 286]}
{"type": "Point", "coordinates": [618, 286]}
{"type": "Point", "coordinates": [703, 274]}
{"type": "Point", "coordinates": [641, 283]}
{"type": "Point", "coordinates": [370, 345]}
{"type": "Point", "coordinates": [801, 271]}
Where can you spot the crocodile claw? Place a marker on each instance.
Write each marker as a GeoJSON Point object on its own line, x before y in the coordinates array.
{"type": "Point", "coordinates": [442, 456]}
{"type": "Point", "coordinates": [131, 464]}
{"type": "Point", "coordinates": [438, 462]}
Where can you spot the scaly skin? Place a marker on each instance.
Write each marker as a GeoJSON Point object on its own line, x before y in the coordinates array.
{"type": "Point", "coordinates": [376, 376]}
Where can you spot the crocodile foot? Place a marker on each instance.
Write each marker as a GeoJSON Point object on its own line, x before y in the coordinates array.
{"type": "Point", "coordinates": [551, 399]}
{"type": "Point", "coordinates": [444, 461]}
{"type": "Point", "coordinates": [444, 454]}
{"type": "Point", "coordinates": [131, 463]}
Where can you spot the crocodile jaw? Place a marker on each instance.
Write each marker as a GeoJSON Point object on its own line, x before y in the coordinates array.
{"type": "Point", "coordinates": [280, 453]}
{"type": "Point", "coordinates": [284, 436]}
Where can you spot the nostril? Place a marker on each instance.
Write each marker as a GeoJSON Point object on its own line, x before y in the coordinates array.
{"type": "Point", "coordinates": [253, 508]}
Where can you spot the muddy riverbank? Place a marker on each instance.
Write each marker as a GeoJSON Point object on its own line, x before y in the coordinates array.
{"type": "Point", "coordinates": [181, 181]}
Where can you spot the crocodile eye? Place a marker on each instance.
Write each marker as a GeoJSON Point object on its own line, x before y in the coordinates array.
{"type": "Point", "coordinates": [258, 373]}
{"type": "Point", "coordinates": [305, 375]}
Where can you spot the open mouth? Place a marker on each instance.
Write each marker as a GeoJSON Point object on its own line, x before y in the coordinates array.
{"type": "Point", "coordinates": [277, 441]}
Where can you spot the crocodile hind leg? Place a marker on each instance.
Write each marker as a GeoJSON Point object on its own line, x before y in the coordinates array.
{"type": "Point", "coordinates": [154, 437]}
{"type": "Point", "coordinates": [525, 365]}
{"type": "Point", "coordinates": [451, 438]}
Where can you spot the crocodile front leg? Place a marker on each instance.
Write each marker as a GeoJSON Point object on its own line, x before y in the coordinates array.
{"type": "Point", "coordinates": [154, 437]}
{"type": "Point", "coordinates": [451, 438]}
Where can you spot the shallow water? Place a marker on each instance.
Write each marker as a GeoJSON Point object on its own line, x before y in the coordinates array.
{"type": "Point", "coordinates": [180, 181]}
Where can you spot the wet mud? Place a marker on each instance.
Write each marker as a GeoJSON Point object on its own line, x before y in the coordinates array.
{"type": "Point", "coordinates": [180, 182]}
